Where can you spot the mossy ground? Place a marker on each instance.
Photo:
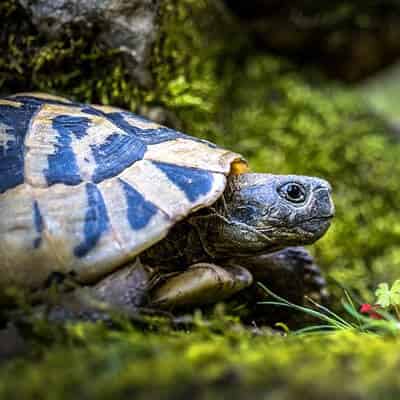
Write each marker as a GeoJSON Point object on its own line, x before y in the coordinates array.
{"type": "Point", "coordinates": [285, 120]}
{"type": "Point", "coordinates": [225, 360]}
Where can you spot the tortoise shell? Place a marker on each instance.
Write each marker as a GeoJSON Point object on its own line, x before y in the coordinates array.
{"type": "Point", "coordinates": [86, 188]}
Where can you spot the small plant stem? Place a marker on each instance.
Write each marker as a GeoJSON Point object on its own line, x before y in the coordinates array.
{"type": "Point", "coordinates": [397, 310]}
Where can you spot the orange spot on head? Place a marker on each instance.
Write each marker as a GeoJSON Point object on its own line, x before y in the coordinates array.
{"type": "Point", "coordinates": [239, 167]}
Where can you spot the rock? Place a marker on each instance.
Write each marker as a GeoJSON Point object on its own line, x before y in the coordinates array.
{"type": "Point", "coordinates": [129, 26]}
{"type": "Point", "coordinates": [12, 344]}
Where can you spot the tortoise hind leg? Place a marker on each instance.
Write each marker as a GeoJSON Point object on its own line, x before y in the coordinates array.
{"type": "Point", "coordinates": [126, 288]}
{"type": "Point", "coordinates": [201, 284]}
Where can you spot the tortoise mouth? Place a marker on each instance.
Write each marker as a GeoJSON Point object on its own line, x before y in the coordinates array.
{"type": "Point", "coordinates": [316, 219]}
{"type": "Point", "coordinates": [316, 226]}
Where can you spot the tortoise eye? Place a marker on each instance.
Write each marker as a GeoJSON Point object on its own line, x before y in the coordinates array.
{"type": "Point", "coordinates": [293, 192]}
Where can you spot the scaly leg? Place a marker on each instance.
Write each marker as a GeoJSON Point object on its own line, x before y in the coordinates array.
{"type": "Point", "coordinates": [127, 287]}
{"type": "Point", "coordinates": [290, 273]}
{"type": "Point", "coordinates": [124, 290]}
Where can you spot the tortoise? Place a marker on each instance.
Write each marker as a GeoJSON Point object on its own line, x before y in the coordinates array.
{"type": "Point", "coordinates": [111, 200]}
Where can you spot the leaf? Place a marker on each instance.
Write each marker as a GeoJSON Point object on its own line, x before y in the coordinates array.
{"type": "Point", "coordinates": [396, 285]}
{"type": "Point", "coordinates": [395, 293]}
{"type": "Point", "coordinates": [383, 295]}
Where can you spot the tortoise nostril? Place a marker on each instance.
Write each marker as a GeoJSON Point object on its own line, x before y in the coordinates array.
{"type": "Point", "coordinates": [324, 202]}
{"type": "Point", "coordinates": [324, 186]}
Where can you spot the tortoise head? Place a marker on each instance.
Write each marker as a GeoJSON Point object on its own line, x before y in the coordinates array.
{"type": "Point", "coordinates": [264, 212]}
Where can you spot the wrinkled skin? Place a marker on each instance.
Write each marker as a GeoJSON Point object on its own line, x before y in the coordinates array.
{"type": "Point", "coordinates": [221, 250]}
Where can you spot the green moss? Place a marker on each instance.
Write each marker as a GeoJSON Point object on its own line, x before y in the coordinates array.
{"type": "Point", "coordinates": [99, 363]}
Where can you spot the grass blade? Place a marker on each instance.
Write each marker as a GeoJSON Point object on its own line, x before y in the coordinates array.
{"type": "Point", "coordinates": [331, 313]}
{"type": "Point", "coordinates": [313, 328]}
{"type": "Point", "coordinates": [327, 315]}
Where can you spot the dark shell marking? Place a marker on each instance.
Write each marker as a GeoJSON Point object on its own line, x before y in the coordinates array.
{"type": "Point", "coordinates": [140, 211]}
{"type": "Point", "coordinates": [96, 220]}
{"type": "Point", "coordinates": [38, 221]}
{"type": "Point", "coordinates": [193, 182]}
{"type": "Point", "coordinates": [14, 123]}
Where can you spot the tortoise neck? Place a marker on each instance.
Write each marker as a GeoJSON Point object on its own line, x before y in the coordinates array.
{"type": "Point", "coordinates": [182, 247]}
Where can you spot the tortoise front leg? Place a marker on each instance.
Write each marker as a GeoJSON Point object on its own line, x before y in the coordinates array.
{"type": "Point", "coordinates": [290, 273]}
{"type": "Point", "coordinates": [201, 284]}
